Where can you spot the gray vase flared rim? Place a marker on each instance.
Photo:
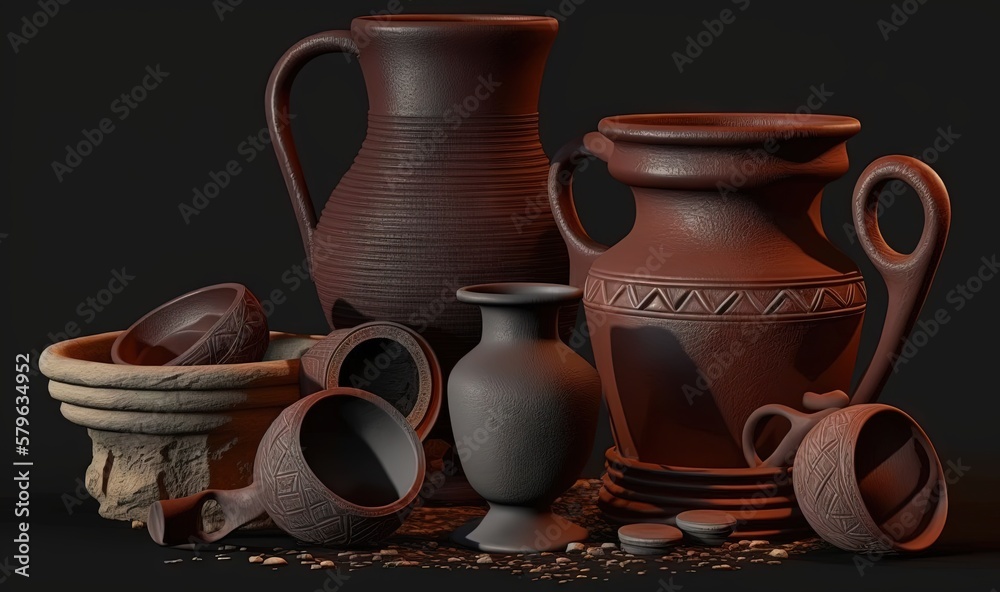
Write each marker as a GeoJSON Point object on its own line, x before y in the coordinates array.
{"type": "Point", "coordinates": [518, 294]}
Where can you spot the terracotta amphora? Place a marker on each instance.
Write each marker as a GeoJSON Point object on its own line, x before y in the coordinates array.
{"type": "Point", "coordinates": [727, 295]}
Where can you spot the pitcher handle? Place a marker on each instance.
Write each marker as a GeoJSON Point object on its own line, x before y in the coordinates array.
{"type": "Point", "coordinates": [277, 94]}
{"type": "Point", "coordinates": [907, 277]}
{"type": "Point", "coordinates": [571, 158]}
{"type": "Point", "coordinates": [178, 521]}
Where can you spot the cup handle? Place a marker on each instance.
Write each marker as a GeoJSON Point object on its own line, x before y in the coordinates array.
{"type": "Point", "coordinates": [907, 278]}
{"type": "Point", "coordinates": [822, 404]}
{"type": "Point", "coordinates": [277, 97]}
{"type": "Point", "coordinates": [572, 157]}
{"type": "Point", "coordinates": [178, 521]}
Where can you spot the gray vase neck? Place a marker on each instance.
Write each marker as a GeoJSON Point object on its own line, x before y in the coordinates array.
{"type": "Point", "coordinates": [526, 322]}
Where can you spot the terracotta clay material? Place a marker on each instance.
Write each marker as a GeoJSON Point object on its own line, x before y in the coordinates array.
{"type": "Point", "coordinates": [726, 295]}
{"type": "Point", "coordinates": [708, 527]}
{"type": "Point", "coordinates": [340, 467]}
{"type": "Point", "coordinates": [648, 538]}
{"type": "Point", "coordinates": [446, 187]}
{"type": "Point", "coordinates": [221, 324]}
{"type": "Point", "coordinates": [800, 423]}
{"type": "Point", "coordinates": [761, 499]}
{"type": "Point", "coordinates": [525, 407]}
{"type": "Point", "coordinates": [169, 431]}
{"type": "Point", "coordinates": [868, 479]}
{"type": "Point", "coordinates": [385, 359]}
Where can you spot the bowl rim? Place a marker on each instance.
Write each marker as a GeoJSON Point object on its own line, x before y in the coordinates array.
{"type": "Point", "coordinates": [57, 363]}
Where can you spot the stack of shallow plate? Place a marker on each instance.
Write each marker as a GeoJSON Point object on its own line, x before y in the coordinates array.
{"type": "Point", "coordinates": [761, 499]}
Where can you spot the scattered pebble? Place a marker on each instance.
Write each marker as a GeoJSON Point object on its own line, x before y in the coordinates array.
{"type": "Point", "coordinates": [421, 543]}
{"type": "Point", "coordinates": [173, 561]}
{"type": "Point", "coordinates": [138, 525]}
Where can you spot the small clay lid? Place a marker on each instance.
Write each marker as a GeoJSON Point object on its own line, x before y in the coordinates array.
{"type": "Point", "coordinates": [705, 521]}
{"type": "Point", "coordinates": [649, 534]}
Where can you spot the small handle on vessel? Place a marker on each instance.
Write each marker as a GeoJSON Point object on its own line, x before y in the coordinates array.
{"type": "Point", "coordinates": [178, 521]}
{"type": "Point", "coordinates": [583, 250]}
{"type": "Point", "coordinates": [783, 455]}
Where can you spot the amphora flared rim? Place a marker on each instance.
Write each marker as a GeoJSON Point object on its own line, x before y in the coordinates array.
{"type": "Point", "coordinates": [725, 128]}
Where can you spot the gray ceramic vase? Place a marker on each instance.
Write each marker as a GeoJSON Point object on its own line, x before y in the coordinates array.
{"type": "Point", "coordinates": [524, 411]}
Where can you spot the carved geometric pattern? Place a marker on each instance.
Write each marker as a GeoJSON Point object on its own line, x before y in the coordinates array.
{"type": "Point", "coordinates": [300, 504]}
{"type": "Point", "coordinates": [240, 337]}
{"type": "Point", "coordinates": [824, 472]}
{"type": "Point", "coordinates": [836, 296]}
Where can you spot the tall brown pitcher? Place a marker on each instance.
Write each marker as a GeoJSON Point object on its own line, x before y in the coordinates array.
{"type": "Point", "coordinates": [449, 186]}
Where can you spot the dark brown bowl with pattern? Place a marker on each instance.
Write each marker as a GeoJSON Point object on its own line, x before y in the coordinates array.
{"type": "Point", "coordinates": [220, 324]}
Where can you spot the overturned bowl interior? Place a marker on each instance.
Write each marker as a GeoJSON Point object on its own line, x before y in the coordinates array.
{"type": "Point", "coordinates": [221, 324]}
{"type": "Point", "coordinates": [868, 478]}
{"type": "Point", "coordinates": [339, 468]}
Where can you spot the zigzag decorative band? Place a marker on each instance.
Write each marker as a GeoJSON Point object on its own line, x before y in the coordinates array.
{"type": "Point", "coordinates": [823, 297]}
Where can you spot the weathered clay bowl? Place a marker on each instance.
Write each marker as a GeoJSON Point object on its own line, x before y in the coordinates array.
{"type": "Point", "coordinates": [761, 499]}
{"type": "Point", "coordinates": [168, 431]}
{"type": "Point", "coordinates": [383, 358]}
{"type": "Point", "coordinates": [220, 324]}
{"type": "Point", "coordinates": [340, 467]}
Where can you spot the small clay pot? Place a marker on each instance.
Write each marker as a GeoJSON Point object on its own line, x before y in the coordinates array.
{"type": "Point", "coordinates": [221, 324]}
{"type": "Point", "coordinates": [868, 479]}
{"type": "Point", "coordinates": [340, 467]}
{"type": "Point", "coordinates": [385, 359]}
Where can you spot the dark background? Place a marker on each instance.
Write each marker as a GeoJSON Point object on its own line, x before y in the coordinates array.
{"type": "Point", "coordinates": [60, 241]}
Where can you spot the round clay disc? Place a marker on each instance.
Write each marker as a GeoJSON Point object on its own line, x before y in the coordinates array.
{"type": "Point", "coordinates": [649, 534]}
{"type": "Point", "coordinates": [705, 521]}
